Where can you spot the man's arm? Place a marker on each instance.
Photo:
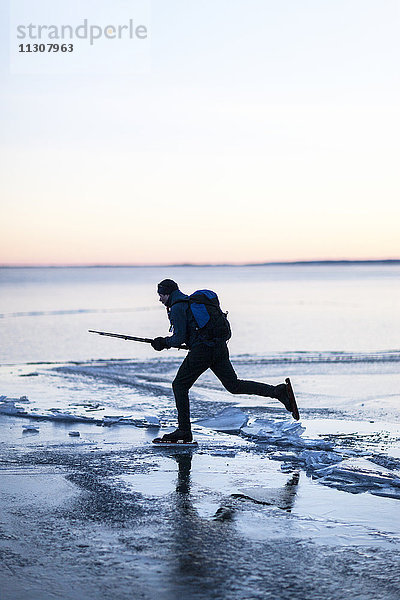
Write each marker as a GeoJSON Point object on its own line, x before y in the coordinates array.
{"type": "Point", "coordinates": [178, 317]}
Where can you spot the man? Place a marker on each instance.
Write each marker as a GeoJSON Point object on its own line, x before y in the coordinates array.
{"type": "Point", "coordinates": [203, 355]}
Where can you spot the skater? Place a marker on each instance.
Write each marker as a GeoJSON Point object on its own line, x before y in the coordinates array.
{"type": "Point", "coordinates": [205, 352]}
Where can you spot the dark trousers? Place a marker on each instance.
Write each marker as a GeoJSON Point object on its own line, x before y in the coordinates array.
{"type": "Point", "coordinates": [198, 360]}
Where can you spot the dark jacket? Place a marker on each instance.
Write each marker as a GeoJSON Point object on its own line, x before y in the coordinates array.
{"type": "Point", "coordinates": [183, 326]}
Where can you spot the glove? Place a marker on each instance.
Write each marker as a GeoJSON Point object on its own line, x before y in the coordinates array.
{"type": "Point", "coordinates": [159, 343]}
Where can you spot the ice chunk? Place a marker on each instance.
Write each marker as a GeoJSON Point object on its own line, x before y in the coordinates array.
{"type": "Point", "coordinates": [8, 405]}
{"type": "Point", "coordinates": [286, 433]}
{"type": "Point", "coordinates": [224, 513]}
{"type": "Point", "coordinates": [147, 421]}
{"type": "Point", "coordinates": [354, 475]}
{"type": "Point", "coordinates": [30, 429]}
{"type": "Point", "coordinates": [270, 429]}
{"type": "Point", "coordinates": [387, 493]}
{"type": "Point", "coordinates": [152, 421]}
{"type": "Point", "coordinates": [59, 415]}
{"type": "Point", "coordinates": [111, 419]}
{"type": "Point", "coordinates": [229, 453]}
{"type": "Point", "coordinates": [361, 471]}
{"type": "Point", "coordinates": [21, 399]}
{"type": "Point", "coordinates": [316, 444]}
{"type": "Point", "coordinates": [318, 459]}
{"type": "Point", "coordinates": [229, 420]}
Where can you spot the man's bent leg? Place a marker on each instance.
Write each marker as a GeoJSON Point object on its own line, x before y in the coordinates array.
{"type": "Point", "coordinates": [197, 361]}
{"type": "Point", "coordinates": [223, 369]}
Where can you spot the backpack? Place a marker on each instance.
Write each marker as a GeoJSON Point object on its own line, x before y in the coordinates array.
{"type": "Point", "coordinates": [211, 322]}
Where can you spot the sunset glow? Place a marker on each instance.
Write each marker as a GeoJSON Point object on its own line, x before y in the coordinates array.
{"type": "Point", "coordinates": [271, 135]}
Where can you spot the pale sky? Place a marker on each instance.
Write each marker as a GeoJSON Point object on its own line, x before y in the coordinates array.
{"type": "Point", "coordinates": [263, 130]}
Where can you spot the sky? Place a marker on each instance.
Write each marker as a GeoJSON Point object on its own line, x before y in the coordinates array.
{"type": "Point", "coordinates": [251, 131]}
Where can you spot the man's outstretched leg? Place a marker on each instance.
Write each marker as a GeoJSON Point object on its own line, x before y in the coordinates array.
{"type": "Point", "coordinates": [223, 369]}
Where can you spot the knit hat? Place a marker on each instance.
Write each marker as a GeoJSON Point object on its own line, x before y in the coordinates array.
{"type": "Point", "coordinates": [167, 286]}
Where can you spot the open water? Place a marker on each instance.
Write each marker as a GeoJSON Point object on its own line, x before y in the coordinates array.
{"type": "Point", "coordinates": [45, 312]}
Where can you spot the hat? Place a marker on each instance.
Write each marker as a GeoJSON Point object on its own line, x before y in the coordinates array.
{"type": "Point", "coordinates": [167, 286]}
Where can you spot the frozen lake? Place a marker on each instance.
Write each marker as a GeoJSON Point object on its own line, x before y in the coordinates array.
{"type": "Point", "coordinates": [252, 507]}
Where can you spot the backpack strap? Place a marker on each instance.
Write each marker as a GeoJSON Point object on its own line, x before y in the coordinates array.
{"type": "Point", "coordinates": [180, 300]}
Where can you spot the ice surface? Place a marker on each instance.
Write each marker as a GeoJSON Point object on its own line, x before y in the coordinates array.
{"type": "Point", "coordinates": [229, 420]}
{"type": "Point", "coordinates": [342, 469]}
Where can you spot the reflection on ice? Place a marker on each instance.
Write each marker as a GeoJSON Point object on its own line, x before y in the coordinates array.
{"type": "Point", "coordinates": [282, 497]}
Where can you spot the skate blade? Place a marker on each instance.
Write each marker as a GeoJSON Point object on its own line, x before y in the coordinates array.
{"type": "Point", "coordinates": [177, 444]}
{"type": "Point", "coordinates": [293, 404]}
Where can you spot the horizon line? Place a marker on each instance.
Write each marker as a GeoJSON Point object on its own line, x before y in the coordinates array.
{"type": "Point", "coordinates": [188, 264]}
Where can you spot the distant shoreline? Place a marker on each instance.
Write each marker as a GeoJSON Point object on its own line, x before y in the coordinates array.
{"type": "Point", "coordinates": [389, 261]}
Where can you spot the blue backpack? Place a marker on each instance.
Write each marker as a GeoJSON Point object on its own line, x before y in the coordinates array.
{"type": "Point", "coordinates": [211, 322]}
